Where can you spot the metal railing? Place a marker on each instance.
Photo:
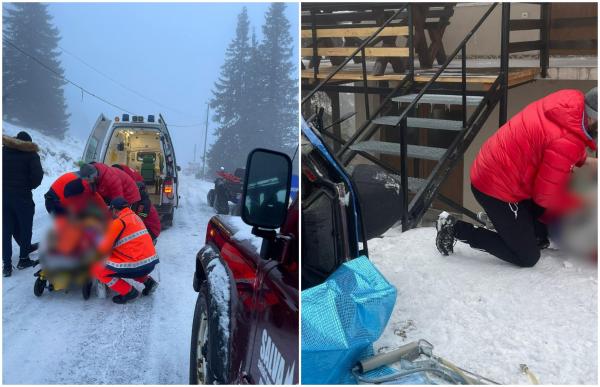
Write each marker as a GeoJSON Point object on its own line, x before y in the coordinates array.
{"type": "Point", "coordinates": [471, 124]}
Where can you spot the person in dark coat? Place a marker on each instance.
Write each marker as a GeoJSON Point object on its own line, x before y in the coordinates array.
{"type": "Point", "coordinates": [21, 173]}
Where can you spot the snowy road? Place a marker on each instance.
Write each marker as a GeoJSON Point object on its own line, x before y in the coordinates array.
{"type": "Point", "coordinates": [61, 339]}
{"type": "Point", "coordinates": [488, 316]}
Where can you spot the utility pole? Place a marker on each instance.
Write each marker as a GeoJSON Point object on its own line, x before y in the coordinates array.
{"type": "Point", "coordinates": [194, 153]}
{"type": "Point", "coordinates": [205, 136]}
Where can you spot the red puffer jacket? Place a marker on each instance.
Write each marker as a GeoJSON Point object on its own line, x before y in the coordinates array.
{"type": "Point", "coordinates": [532, 155]}
{"type": "Point", "coordinates": [112, 182]}
{"type": "Point", "coordinates": [131, 172]}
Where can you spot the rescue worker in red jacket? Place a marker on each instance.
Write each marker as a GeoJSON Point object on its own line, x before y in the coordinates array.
{"type": "Point", "coordinates": [521, 176]}
{"type": "Point", "coordinates": [130, 251]}
{"type": "Point", "coordinates": [110, 182]}
{"type": "Point", "coordinates": [70, 193]}
{"type": "Point", "coordinates": [135, 175]}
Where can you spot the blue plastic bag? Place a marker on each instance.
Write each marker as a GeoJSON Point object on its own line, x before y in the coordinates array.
{"type": "Point", "coordinates": [341, 319]}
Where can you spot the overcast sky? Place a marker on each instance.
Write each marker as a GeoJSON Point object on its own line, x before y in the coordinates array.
{"type": "Point", "coordinates": [170, 53]}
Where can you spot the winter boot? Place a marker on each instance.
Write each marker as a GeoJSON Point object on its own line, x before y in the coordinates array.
{"type": "Point", "coordinates": [444, 240]}
{"type": "Point", "coordinates": [34, 247]}
{"type": "Point", "coordinates": [119, 299]}
{"type": "Point", "coordinates": [543, 243]}
{"type": "Point", "coordinates": [7, 270]}
{"type": "Point", "coordinates": [150, 286]}
{"type": "Point", "coordinates": [24, 263]}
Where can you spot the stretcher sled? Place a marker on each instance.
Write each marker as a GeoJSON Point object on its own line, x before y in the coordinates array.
{"type": "Point", "coordinates": [67, 254]}
{"type": "Point", "coordinates": [413, 363]}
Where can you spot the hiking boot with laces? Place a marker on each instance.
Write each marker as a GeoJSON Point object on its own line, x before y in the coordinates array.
{"type": "Point", "coordinates": [445, 240]}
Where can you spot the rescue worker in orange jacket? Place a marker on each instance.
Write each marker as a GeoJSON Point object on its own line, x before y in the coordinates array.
{"type": "Point", "coordinates": [130, 251]}
{"type": "Point", "coordinates": [70, 193]}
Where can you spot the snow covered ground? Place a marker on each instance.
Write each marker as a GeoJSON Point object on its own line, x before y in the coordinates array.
{"type": "Point", "coordinates": [61, 339]}
{"type": "Point", "coordinates": [488, 316]}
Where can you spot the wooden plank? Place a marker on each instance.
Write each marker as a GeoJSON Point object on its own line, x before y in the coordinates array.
{"type": "Point", "coordinates": [516, 77]}
{"type": "Point", "coordinates": [525, 46]}
{"type": "Point", "coordinates": [353, 76]}
{"type": "Point", "coordinates": [355, 32]}
{"type": "Point", "coordinates": [574, 44]}
{"type": "Point", "coordinates": [527, 24]}
{"type": "Point", "coordinates": [347, 51]}
{"type": "Point", "coordinates": [575, 22]}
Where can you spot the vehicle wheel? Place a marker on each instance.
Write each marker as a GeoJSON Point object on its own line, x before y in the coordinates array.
{"type": "Point", "coordinates": [210, 197]}
{"type": "Point", "coordinates": [167, 220]}
{"type": "Point", "coordinates": [86, 291]}
{"type": "Point", "coordinates": [221, 204]}
{"type": "Point", "coordinates": [206, 351]}
{"type": "Point", "coordinates": [38, 287]}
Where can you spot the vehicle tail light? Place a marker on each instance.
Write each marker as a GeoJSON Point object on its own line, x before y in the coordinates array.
{"type": "Point", "coordinates": [168, 188]}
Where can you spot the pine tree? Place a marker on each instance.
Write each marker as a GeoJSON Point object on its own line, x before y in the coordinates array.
{"type": "Point", "coordinates": [229, 95]}
{"type": "Point", "coordinates": [279, 84]}
{"type": "Point", "coordinates": [33, 96]}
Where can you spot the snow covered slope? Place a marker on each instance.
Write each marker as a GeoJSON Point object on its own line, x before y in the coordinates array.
{"type": "Point", "coordinates": [58, 157]}
{"type": "Point", "coordinates": [61, 339]}
{"type": "Point", "coordinates": [488, 316]}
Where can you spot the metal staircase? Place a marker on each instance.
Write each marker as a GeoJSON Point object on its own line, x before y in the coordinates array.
{"type": "Point", "coordinates": [406, 88]}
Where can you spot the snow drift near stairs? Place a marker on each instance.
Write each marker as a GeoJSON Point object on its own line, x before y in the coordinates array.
{"type": "Point", "coordinates": [488, 316]}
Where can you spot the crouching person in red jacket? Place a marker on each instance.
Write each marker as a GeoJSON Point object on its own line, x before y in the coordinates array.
{"type": "Point", "coordinates": [131, 254]}
{"type": "Point", "coordinates": [110, 182]}
{"type": "Point", "coordinates": [146, 210]}
{"type": "Point", "coordinates": [521, 176]}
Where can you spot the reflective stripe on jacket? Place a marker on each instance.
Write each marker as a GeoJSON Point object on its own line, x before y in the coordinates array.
{"type": "Point", "coordinates": [128, 242]}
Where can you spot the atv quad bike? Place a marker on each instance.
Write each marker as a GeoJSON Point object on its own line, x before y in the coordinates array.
{"type": "Point", "coordinates": [228, 188]}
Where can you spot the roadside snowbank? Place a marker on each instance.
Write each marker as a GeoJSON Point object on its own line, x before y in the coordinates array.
{"type": "Point", "coordinates": [488, 316]}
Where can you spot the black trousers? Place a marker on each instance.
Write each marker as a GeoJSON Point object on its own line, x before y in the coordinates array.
{"type": "Point", "coordinates": [517, 230]}
{"type": "Point", "coordinates": [17, 222]}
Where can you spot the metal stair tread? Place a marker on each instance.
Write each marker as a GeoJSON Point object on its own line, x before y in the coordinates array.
{"type": "Point", "coordinates": [415, 122]}
{"type": "Point", "coordinates": [393, 148]}
{"type": "Point", "coordinates": [441, 99]}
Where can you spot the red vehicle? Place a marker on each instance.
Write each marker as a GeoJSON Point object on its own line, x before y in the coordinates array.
{"type": "Point", "coordinates": [245, 327]}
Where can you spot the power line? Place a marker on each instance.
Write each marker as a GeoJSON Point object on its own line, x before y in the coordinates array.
{"type": "Point", "coordinates": [118, 82]}
{"type": "Point", "coordinates": [83, 90]}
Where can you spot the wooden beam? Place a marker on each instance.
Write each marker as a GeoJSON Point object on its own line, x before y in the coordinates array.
{"type": "Point", "coordinates": [347, 51]}
{"type": "Point", "coordinates": [525, 46]}
{"type": "Point", "coordinates": [516, 77]}
{"type": "Point", "coordinates": [527, 24]}
{"type": "Point", "coordinates": [355, 32]}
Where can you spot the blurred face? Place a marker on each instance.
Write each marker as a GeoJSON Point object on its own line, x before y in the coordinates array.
{"type": "Point", "coordinates": [114, 212]}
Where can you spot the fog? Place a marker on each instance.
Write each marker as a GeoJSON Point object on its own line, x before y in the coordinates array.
{"type": "Point", "coordinates": [168, 54]}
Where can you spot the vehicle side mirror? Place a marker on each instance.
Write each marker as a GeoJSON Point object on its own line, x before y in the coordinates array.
{"type": "Point", "coordinates": [266, 188]}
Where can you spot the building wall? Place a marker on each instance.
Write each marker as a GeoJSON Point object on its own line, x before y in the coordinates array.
{"type": "Point", "coordinates": [518, 98]}
{"type": "Point", "coordinates": [486, 40]}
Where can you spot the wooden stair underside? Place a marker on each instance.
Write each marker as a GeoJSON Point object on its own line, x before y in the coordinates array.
{"type": "Point", "coordinates": [481, 76]}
